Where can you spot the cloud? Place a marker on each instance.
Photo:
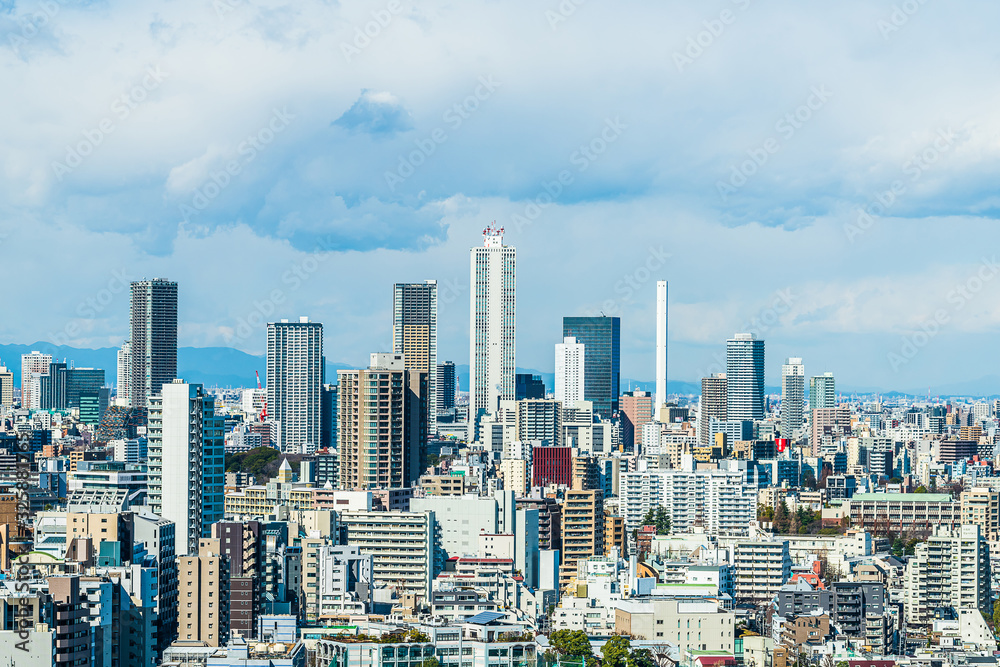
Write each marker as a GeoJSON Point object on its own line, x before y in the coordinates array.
{"type": "Point", "coordinates": [379, 114]}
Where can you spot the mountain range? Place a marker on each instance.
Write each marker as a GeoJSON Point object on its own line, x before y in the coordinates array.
{"type": "Point", "coordinates": [229, 367]}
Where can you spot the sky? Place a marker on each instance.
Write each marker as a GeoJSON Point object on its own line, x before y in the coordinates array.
{"type": "Point", "coordinates": [824, 174]}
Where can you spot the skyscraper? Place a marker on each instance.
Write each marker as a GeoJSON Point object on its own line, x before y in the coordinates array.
{"type": "Point", "coordinates": [491, 326]}
{"type": "Point", "coordinates": [570, 378]}
{"type": "Point", "coordinates": [714, 404]}
{"type": "Point", "coordinates": [33, 367]}
{"type": "Point", "coordinates": [382, 424]}
{"type": "Point", "coordinates": [123, 391]}
{"type": "Point", "coordinates": [154, 338]}
{"type": "Point", "coordinates": [186, 454]}
{"type": "Point", "coordinates": [601, 338]}
{"type": "Point", "coordinates": [527, 385]}
{"type": "Point", "coordinates": [6, 387]}
{"type": "Point", "coordinates": [822, 392]}
{"type": "Point", "coordinates": [745, 377]}
{"type": "Point", "coordinates": [661, 346]}
{"type": "Point", "coordinates": [793, 380]}
{"type": "Point", "coordinates": [62, 388]}
{"type": "Point", "coordinates": [295, 383]}
{"type": "Point", "coordinates": [445, 385]}
{"type": "Point", "coordinates": [414, 334]}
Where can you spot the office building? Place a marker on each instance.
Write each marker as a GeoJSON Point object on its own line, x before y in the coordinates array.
{"type": "Point", "coordinates": [552, 465]}
{"type": "Point", "coordinates": [714, 405]}
{"type": "Point", "coordinates": [33, 367]}
{"type": "Point", "coordinates": [328, 416]}
{"type": "Point", "coordinates": [382, 424]}
{"type": "Point", "coordinates": [153, 339]}
{"type": "Point", "coordinates": [951, 569]}
{"type": "Point", "coordinates": [63, 388]}
{"type": "Point", "coordinates": [414, 334]}
{"type": "Point", "coordinates": [203, 594]}
{"type": "Point", "coordinates": [295, 383]}
{"type": "Point", "coordinates": [903, 512]}
{"type": "Point", "coordinates": [601, 340]}
{"type": "Point", "coordinates": [445, 385]}
{"type": "Point", "coordinates": [745, 377]}
{"type": "Point", "coordinates": [822, 392]}
{"type": "Point", "coordinates": [570, 356]}
{"type": "Point", "coordinates": [527, 385]}
{"type": "Point", "coordinates": [792, 396]}
{"type": "Point", "coordinates": [186, 461]}
{"type": "Point", "coordinates": [491, 326]}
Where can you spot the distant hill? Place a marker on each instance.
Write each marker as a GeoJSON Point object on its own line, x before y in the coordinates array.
{"type": "Point", "coordinates": [210, 366]}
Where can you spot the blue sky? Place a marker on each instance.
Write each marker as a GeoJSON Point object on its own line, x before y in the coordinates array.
{"type": "Point", "coordinates": [826, 170]}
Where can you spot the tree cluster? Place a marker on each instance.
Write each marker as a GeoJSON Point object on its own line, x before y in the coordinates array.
{"type": "Point", "coordinates": [658, 517]}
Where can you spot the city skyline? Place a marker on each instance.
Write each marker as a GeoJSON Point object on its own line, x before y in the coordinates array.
{"type": "Point", "coordinates": [667, 137]}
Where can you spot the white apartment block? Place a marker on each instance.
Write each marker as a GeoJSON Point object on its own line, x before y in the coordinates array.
{"type": "Point", "coordinates": [950, 569]}
{"type": "Point", "coordinates": [719, 500]}
{"type": "Point", "coordinates": [569, 370]}
{"type": "Point", "coordinates": [401, 545]}
{"type": "Point", "coordinates": [33, 366]}
{"type": "Point", "coordinates": [760, 570]}
{"type": "Point", "coordinates": [295, 382]}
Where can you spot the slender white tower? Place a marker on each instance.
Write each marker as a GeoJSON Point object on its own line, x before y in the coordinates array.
{"type": "Point", "coordinates": [661, 346]}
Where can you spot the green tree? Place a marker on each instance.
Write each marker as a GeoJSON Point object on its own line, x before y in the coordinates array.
{"type": "Point", "coordinates": [615, 652]}
{"type": "Point", "coordinates": [430, 662]}
{"type": "Point", "coordinates": [996, 614]}
{"type": "Point", "coordinates": [658, 517]}
{"type": "Point", "coordinates": [642, 657]}
{"type": "Point", "coordinates": [920, 489]}
{"type": "Point", "coordinates": [898, 547]}
{"type": "Point", "coordinates": [781, 518]}
{"type": "Point", "coordinates": [571, 643]}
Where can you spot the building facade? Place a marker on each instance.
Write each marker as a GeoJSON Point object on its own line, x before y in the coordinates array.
{"type": "Point", "coordinates": [745, 377]}
{"type": "Point", "coordinates": [295, 383]}
{"type": "Point", "coordinates": [153, 340]}
{"type": "Point", "coordinates": [414, 334]}
{"type": "Point", "coordinates": [601, 340]}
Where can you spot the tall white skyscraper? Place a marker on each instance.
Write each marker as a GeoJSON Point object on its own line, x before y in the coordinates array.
{"type": "Point", "coordinates": [295, 383]}
{"type": "Point", "coordinates": [123, 391]}
{"type": "Point", "coordinates": [33, 367]}
{"type": "Point", "coordinates": [793, 390]}
{"type": "Point", "coordinates": [491, 326]}
{"type": "Point", "coordinates": [569, 370]}
{"type": "Point", "coordinates": [186, 454]}
{"type": "Point", "coordinates": [745, 377]}
{"type": "Point", "coordinates": [661, 346]}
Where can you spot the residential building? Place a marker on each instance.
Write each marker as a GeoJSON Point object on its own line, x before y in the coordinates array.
{"type": "Point", "coordinates": [492, 302]}
{"type": "Point", "coordinates": [414, 334]}
{"type": "Point", "coordinates": [242, 544]}
{"type": "Point", "coordinates": [822, 392]}
{"type": "Point", "coordinates": [382, 423]}
{"type": "Point", "coordinates": [720, 501]}
{"type": "Point", "coordinates": [6, 388]}
{"type": "Point", "coordinates": [33, 367]}
{"type": "Point", "coordinates": [903, 512]}
{"type": "Point", "coordinates": [601, 340]}
{"type": "Point", "coordinates": [792, 396]}
{"type": "Point", "coordinates": [295, 382]}
{"type": "Point", "coordinates": [828, 426]}
{"type": "Point", "coordinates": [951, 569]}
{"type": "Point", "coordinates": [582, 531]}
{"type": "Point", "coordinates": [745, 377]}
{"type": "Point", "coordinates": [635, 411]}
{"type": "Point", "coordinates": [153, 340]}
{"type": "Point", "coordinates": [203, 595]}
{"type": "Point", "coordinates": [714, 404]}
{"type": "Point", "coordinates": [402, 546]}
{"type": "Point", "coordinates": [688, 624]}
{"type": "Point", "coordinates": [760, 570]}
{"type": "Point", "coordinates": [981, 506]}
{"type": "Point", "coordinates": [186, 461]}
{"type": "Point", "coordinates": [123, 384]}
{"type": "Point", "coordinates": [570, 359]}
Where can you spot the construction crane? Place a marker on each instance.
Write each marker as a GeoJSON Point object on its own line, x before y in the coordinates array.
{"type": "Point", "coordinates": [263, 411]}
